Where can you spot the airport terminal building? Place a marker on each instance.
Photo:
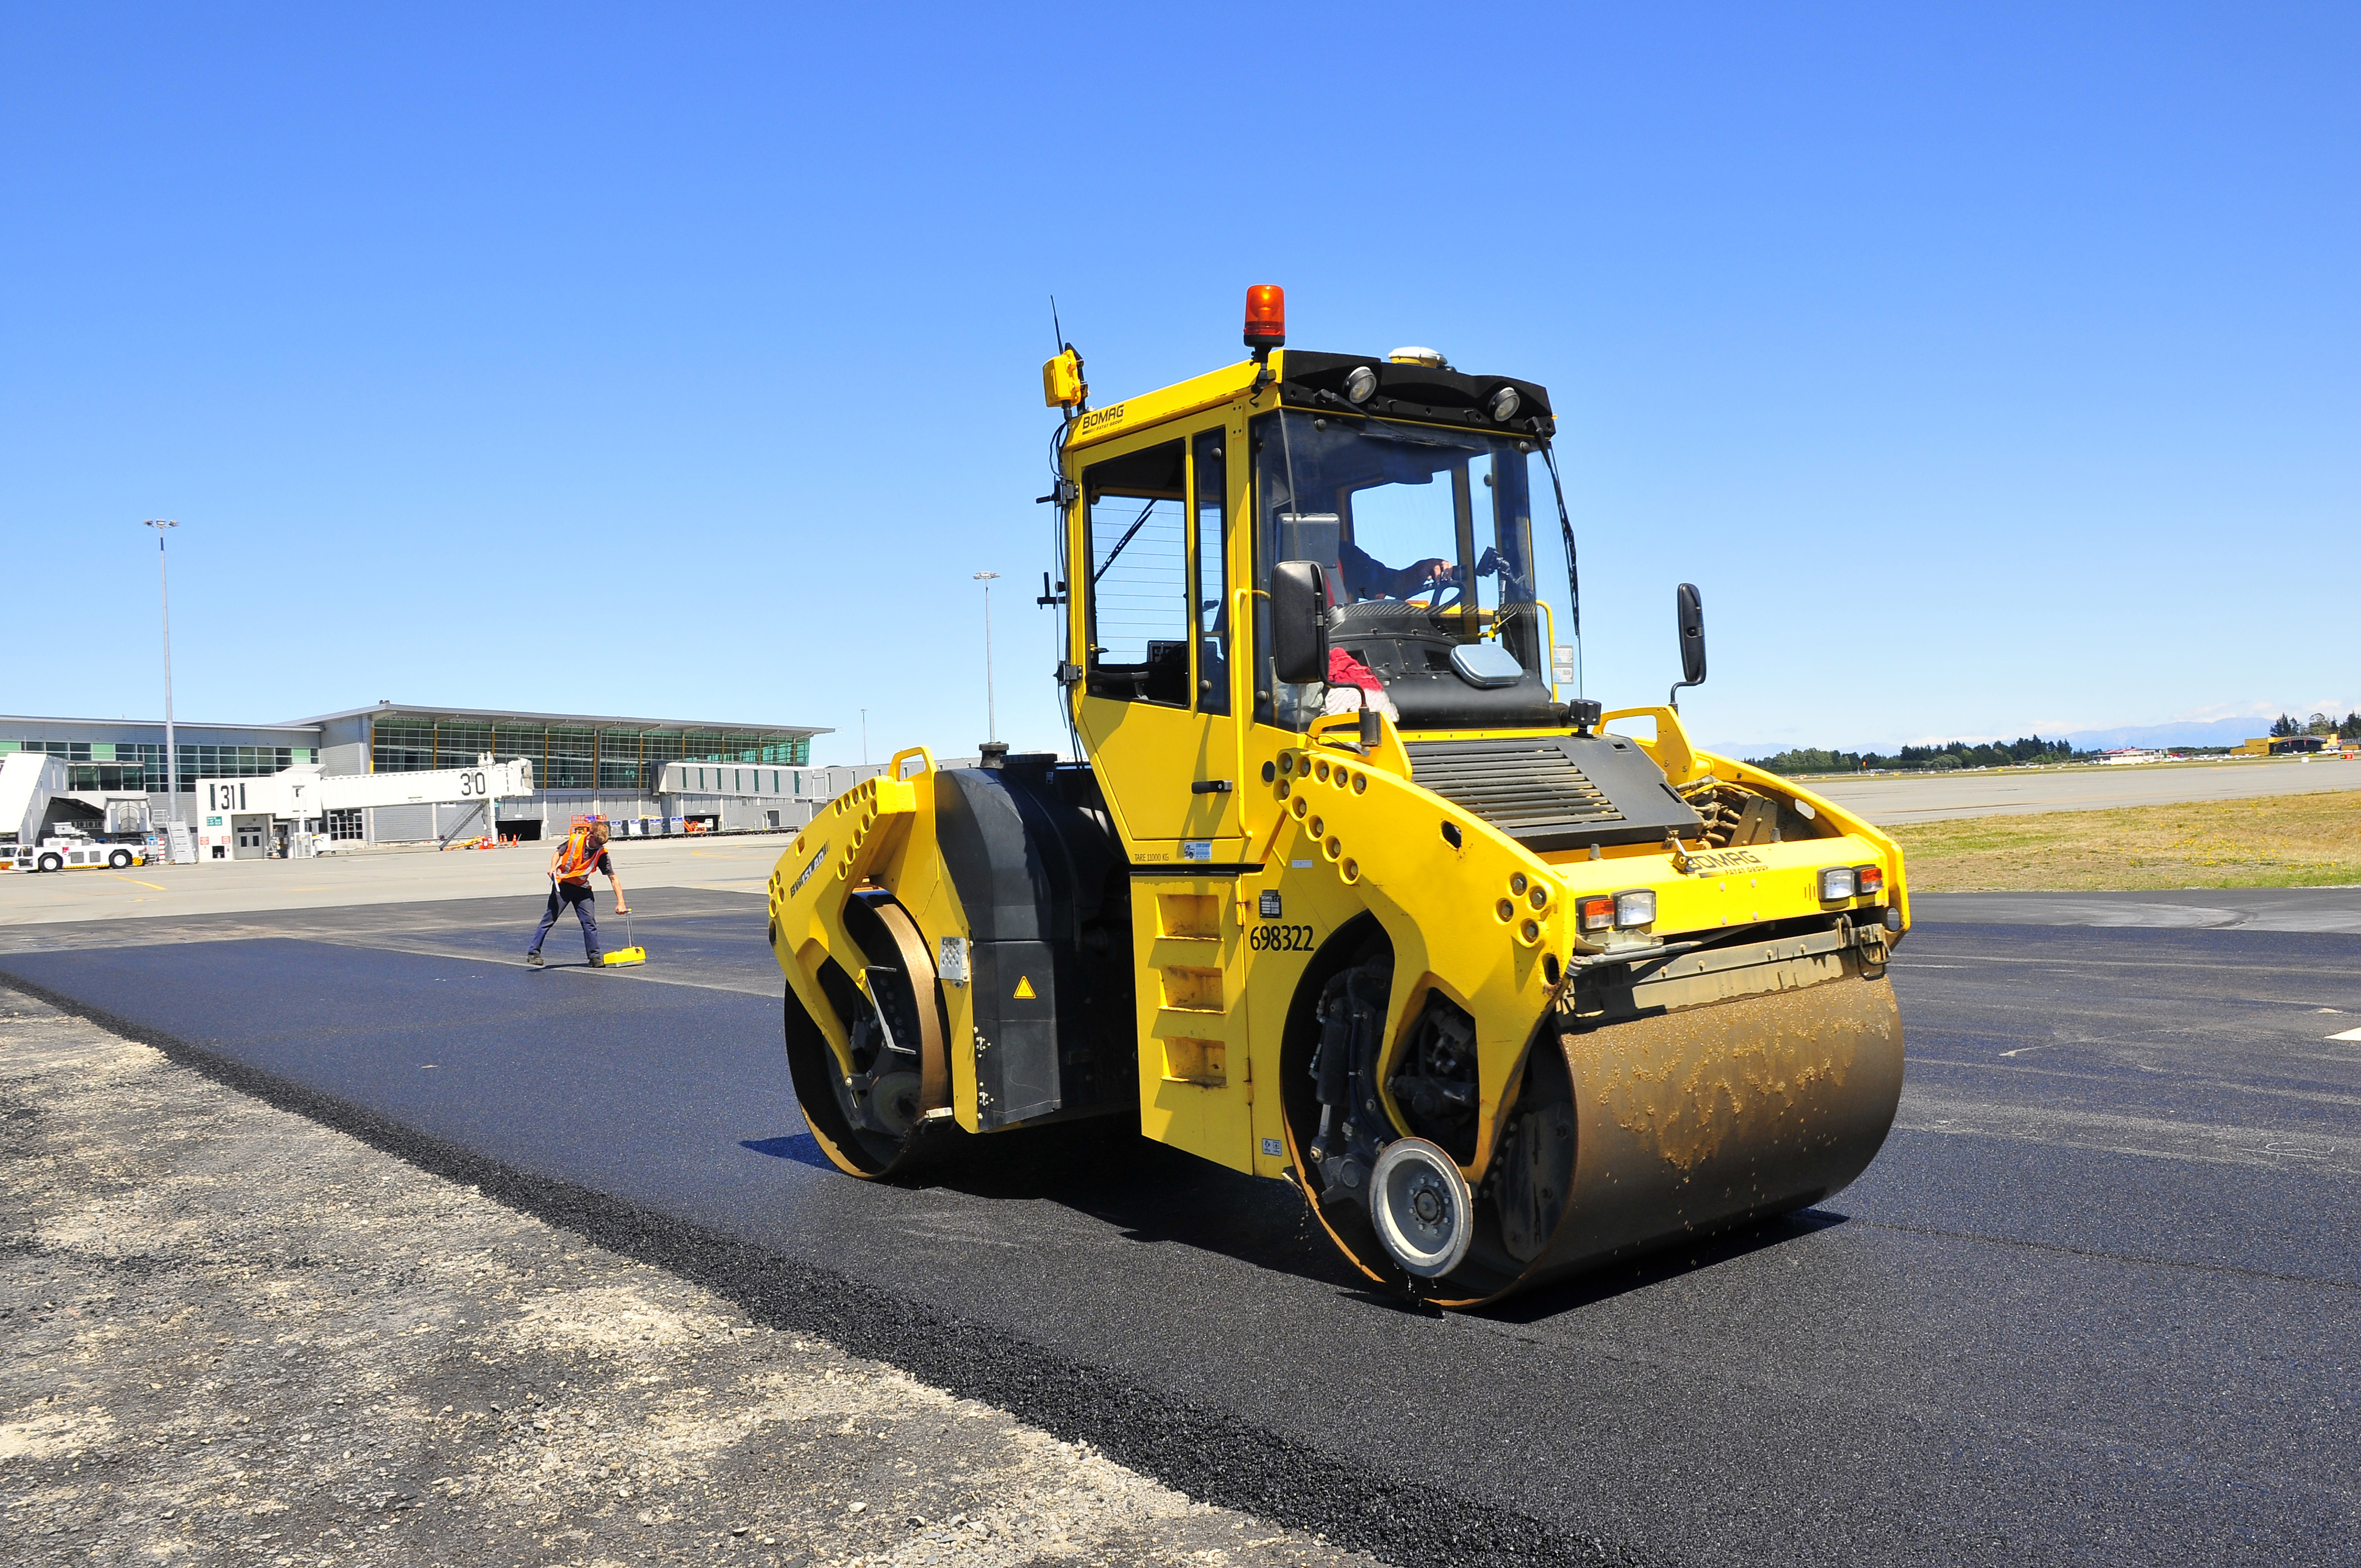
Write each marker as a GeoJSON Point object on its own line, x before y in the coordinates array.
{"type": "Point", "coordinates": [658, 774]}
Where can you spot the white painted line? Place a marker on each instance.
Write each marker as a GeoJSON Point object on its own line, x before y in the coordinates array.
{"type": "Point", "coordinates": [2348, 1035]}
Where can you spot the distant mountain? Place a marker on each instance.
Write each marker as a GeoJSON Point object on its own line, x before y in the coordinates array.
{"type": "Point", "coordinates": [2192, 732]}
{"type": "Point", "coordinates": [1742, 749]}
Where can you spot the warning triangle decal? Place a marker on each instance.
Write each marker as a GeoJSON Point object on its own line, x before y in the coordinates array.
{"type": "Point", "coordinates": [1024, 989]}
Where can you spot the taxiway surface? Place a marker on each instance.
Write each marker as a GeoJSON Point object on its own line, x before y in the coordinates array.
{"type": "Point", "coordinates": [1891, 799]}
{"type": "Point", "coordinates": [2099, 1298]}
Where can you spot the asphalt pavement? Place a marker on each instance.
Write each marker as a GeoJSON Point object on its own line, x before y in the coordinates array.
{"type": "Point", "coordinates": [2188, 909]}
{"type": "Point", "coordinates": [2098, 1299]}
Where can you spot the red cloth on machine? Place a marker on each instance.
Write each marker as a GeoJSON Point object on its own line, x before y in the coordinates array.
{"type": "Point", "coordinates": [1344, 669]}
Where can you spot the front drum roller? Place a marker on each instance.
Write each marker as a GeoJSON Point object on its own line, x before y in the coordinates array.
{"type": "Point", "coordinates": [1637, 1134]}
{"type": "Point", "coordinates": [895, 1124]}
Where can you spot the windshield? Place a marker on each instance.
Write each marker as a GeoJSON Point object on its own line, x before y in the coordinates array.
{"type": "Point", "coordinates": [1425, 537]}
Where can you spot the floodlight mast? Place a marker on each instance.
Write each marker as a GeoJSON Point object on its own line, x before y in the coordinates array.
{"type": "Point", "coordinates": [172, 751]}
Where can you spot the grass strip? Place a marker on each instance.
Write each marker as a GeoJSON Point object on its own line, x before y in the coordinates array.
{"type": "Point", "coordinates": [2301, 840]}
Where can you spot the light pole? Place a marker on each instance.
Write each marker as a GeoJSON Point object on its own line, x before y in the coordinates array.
{"type": "Point", "coordinates": [864, 737]}
{"type": "Point", "coordinates": [991, 713]}
{"type": "Point", "coordinates": [172, 751]}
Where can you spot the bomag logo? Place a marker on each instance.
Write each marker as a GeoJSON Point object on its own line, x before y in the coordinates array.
{"type": "Point", "coordinates": [1101, 419]}
{"type": "Point", "coordinates": [806, 876]}
{"type": "Point", "coordinates": [1722, 860]}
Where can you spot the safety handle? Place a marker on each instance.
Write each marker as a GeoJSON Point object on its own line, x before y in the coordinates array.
{"type": "Point", "coordinates": [1549, 644]}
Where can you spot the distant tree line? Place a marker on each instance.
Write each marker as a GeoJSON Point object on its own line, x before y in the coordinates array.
{"type": "Point", "coordinates": [2288, 724]}
{"type": "Point", "coordinates": [1927, 759]}
{"type": "Point", "coordinates": [2027, 749]}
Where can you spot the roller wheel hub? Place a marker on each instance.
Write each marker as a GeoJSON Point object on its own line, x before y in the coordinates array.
{"type": "Point", "coordinates": [1424, 1214]}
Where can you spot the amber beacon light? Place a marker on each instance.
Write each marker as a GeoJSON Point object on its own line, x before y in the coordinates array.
{"type": "Point", "coordinates": [1266, 316]}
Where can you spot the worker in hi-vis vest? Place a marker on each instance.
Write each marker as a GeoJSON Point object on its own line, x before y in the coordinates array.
{"type": "Point", "coordinates": [570, 867]}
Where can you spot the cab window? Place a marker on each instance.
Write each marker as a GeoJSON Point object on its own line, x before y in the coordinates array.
{"type": "Point", "coordinates": [1210, 590]}
{"type": "Point", "coordinates": [1425, 536]}
{"type": "Point", "coordinates": [1137, 593]}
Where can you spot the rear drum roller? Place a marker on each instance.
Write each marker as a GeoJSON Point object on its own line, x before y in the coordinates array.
{"type": "Point", "coordinates": [881, 1120]}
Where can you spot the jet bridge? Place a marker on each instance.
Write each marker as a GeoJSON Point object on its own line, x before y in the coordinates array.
{"type": "Point", "coordinates": [244, 819]}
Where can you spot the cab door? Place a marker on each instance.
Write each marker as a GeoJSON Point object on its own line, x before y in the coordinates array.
{"type": "Point", "coordinates": [1158, 709]}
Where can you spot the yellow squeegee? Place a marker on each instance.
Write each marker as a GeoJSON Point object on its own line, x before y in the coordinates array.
{"type": "Point", "coordinates": [620, 958]}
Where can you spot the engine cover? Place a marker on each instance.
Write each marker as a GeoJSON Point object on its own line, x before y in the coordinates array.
{"type": "Point", "coordinates": [1046, 894]}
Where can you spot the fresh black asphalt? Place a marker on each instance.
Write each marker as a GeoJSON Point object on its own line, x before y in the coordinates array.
{"type": "Point", "coordinates": [2099, 1299]}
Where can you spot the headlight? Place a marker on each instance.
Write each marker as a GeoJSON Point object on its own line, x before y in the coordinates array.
{"type": "Point", "coordinates": [1505, 403]}
{"type": "Point", "coordinates": [1359, 383]}
{"type": "Point", "coordinates": [1635, 908]}
{"type": "Point", "coordinates": [1836, 882]}
{"type": "Point", "coordinates": [1869, 881]}
{"type": "Point", "coordinates": [1597, 913]}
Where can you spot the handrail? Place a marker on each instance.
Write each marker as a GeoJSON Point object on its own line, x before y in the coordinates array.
{"type": "Point", "coordinates": [1670, 749]}
{"type": "Point", "coordinates": [1549, 644]}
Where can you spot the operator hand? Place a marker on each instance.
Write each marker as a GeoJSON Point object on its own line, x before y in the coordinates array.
{"type": "Point", "coordinates": [1433, 572]}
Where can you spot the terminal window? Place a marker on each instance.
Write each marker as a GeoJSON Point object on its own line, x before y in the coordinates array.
{"type": "Point", "coordinates": [140, 765]}
{"type": "Point", "coordinates": [571, 757]}
{"type": "Point", "coordinates": [344, 826]}
{"type": "Point", "coordinates": [109, 776]}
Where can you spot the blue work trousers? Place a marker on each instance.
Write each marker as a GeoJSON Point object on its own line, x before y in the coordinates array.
{"type": "Point", "coordinates": [586, 908]}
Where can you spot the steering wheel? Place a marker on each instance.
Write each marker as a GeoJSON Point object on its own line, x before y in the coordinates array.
{"type": "Point", "coordinates": [1454, 584]}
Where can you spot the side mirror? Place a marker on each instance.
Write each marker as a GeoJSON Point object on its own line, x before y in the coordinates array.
{"type": "Point", "coordinates": [1298, 622]}
{"type": "Point", "coordinates": [1690, 610]}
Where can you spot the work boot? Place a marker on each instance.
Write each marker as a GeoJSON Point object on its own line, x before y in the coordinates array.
{"type": "Point", "coordinates": [533, 958]}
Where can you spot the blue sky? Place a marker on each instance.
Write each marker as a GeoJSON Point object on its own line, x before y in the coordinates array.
{"type": "Point", "coordinates": [1988, 372]}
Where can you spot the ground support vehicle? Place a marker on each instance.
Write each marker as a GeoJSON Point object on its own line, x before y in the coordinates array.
{"type": "Point", "coordinates": [1345, 891]}
{"type": "Point", "coordinates": [76, 855]}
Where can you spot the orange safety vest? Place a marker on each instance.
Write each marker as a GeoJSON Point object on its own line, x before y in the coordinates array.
{"type": "Point", "coordinates": [578, 859]}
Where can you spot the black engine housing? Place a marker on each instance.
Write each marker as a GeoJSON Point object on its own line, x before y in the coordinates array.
{"type": "Point", "coordinates": [1047, 893]}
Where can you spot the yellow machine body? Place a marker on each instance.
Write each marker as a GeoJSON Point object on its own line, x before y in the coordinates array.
{"type": "Point", "coordinates": [1247, 884]}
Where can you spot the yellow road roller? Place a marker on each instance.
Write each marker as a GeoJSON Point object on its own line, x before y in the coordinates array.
{"type": "Point", "coordinates": [1350, 887]}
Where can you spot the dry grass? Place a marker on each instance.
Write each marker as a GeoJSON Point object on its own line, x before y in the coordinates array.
{"type": "Point", "coordinates": [2305, 841]}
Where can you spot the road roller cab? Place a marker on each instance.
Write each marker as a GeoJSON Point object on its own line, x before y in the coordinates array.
{"type": "Point", "coordinates": [1350, 887]}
